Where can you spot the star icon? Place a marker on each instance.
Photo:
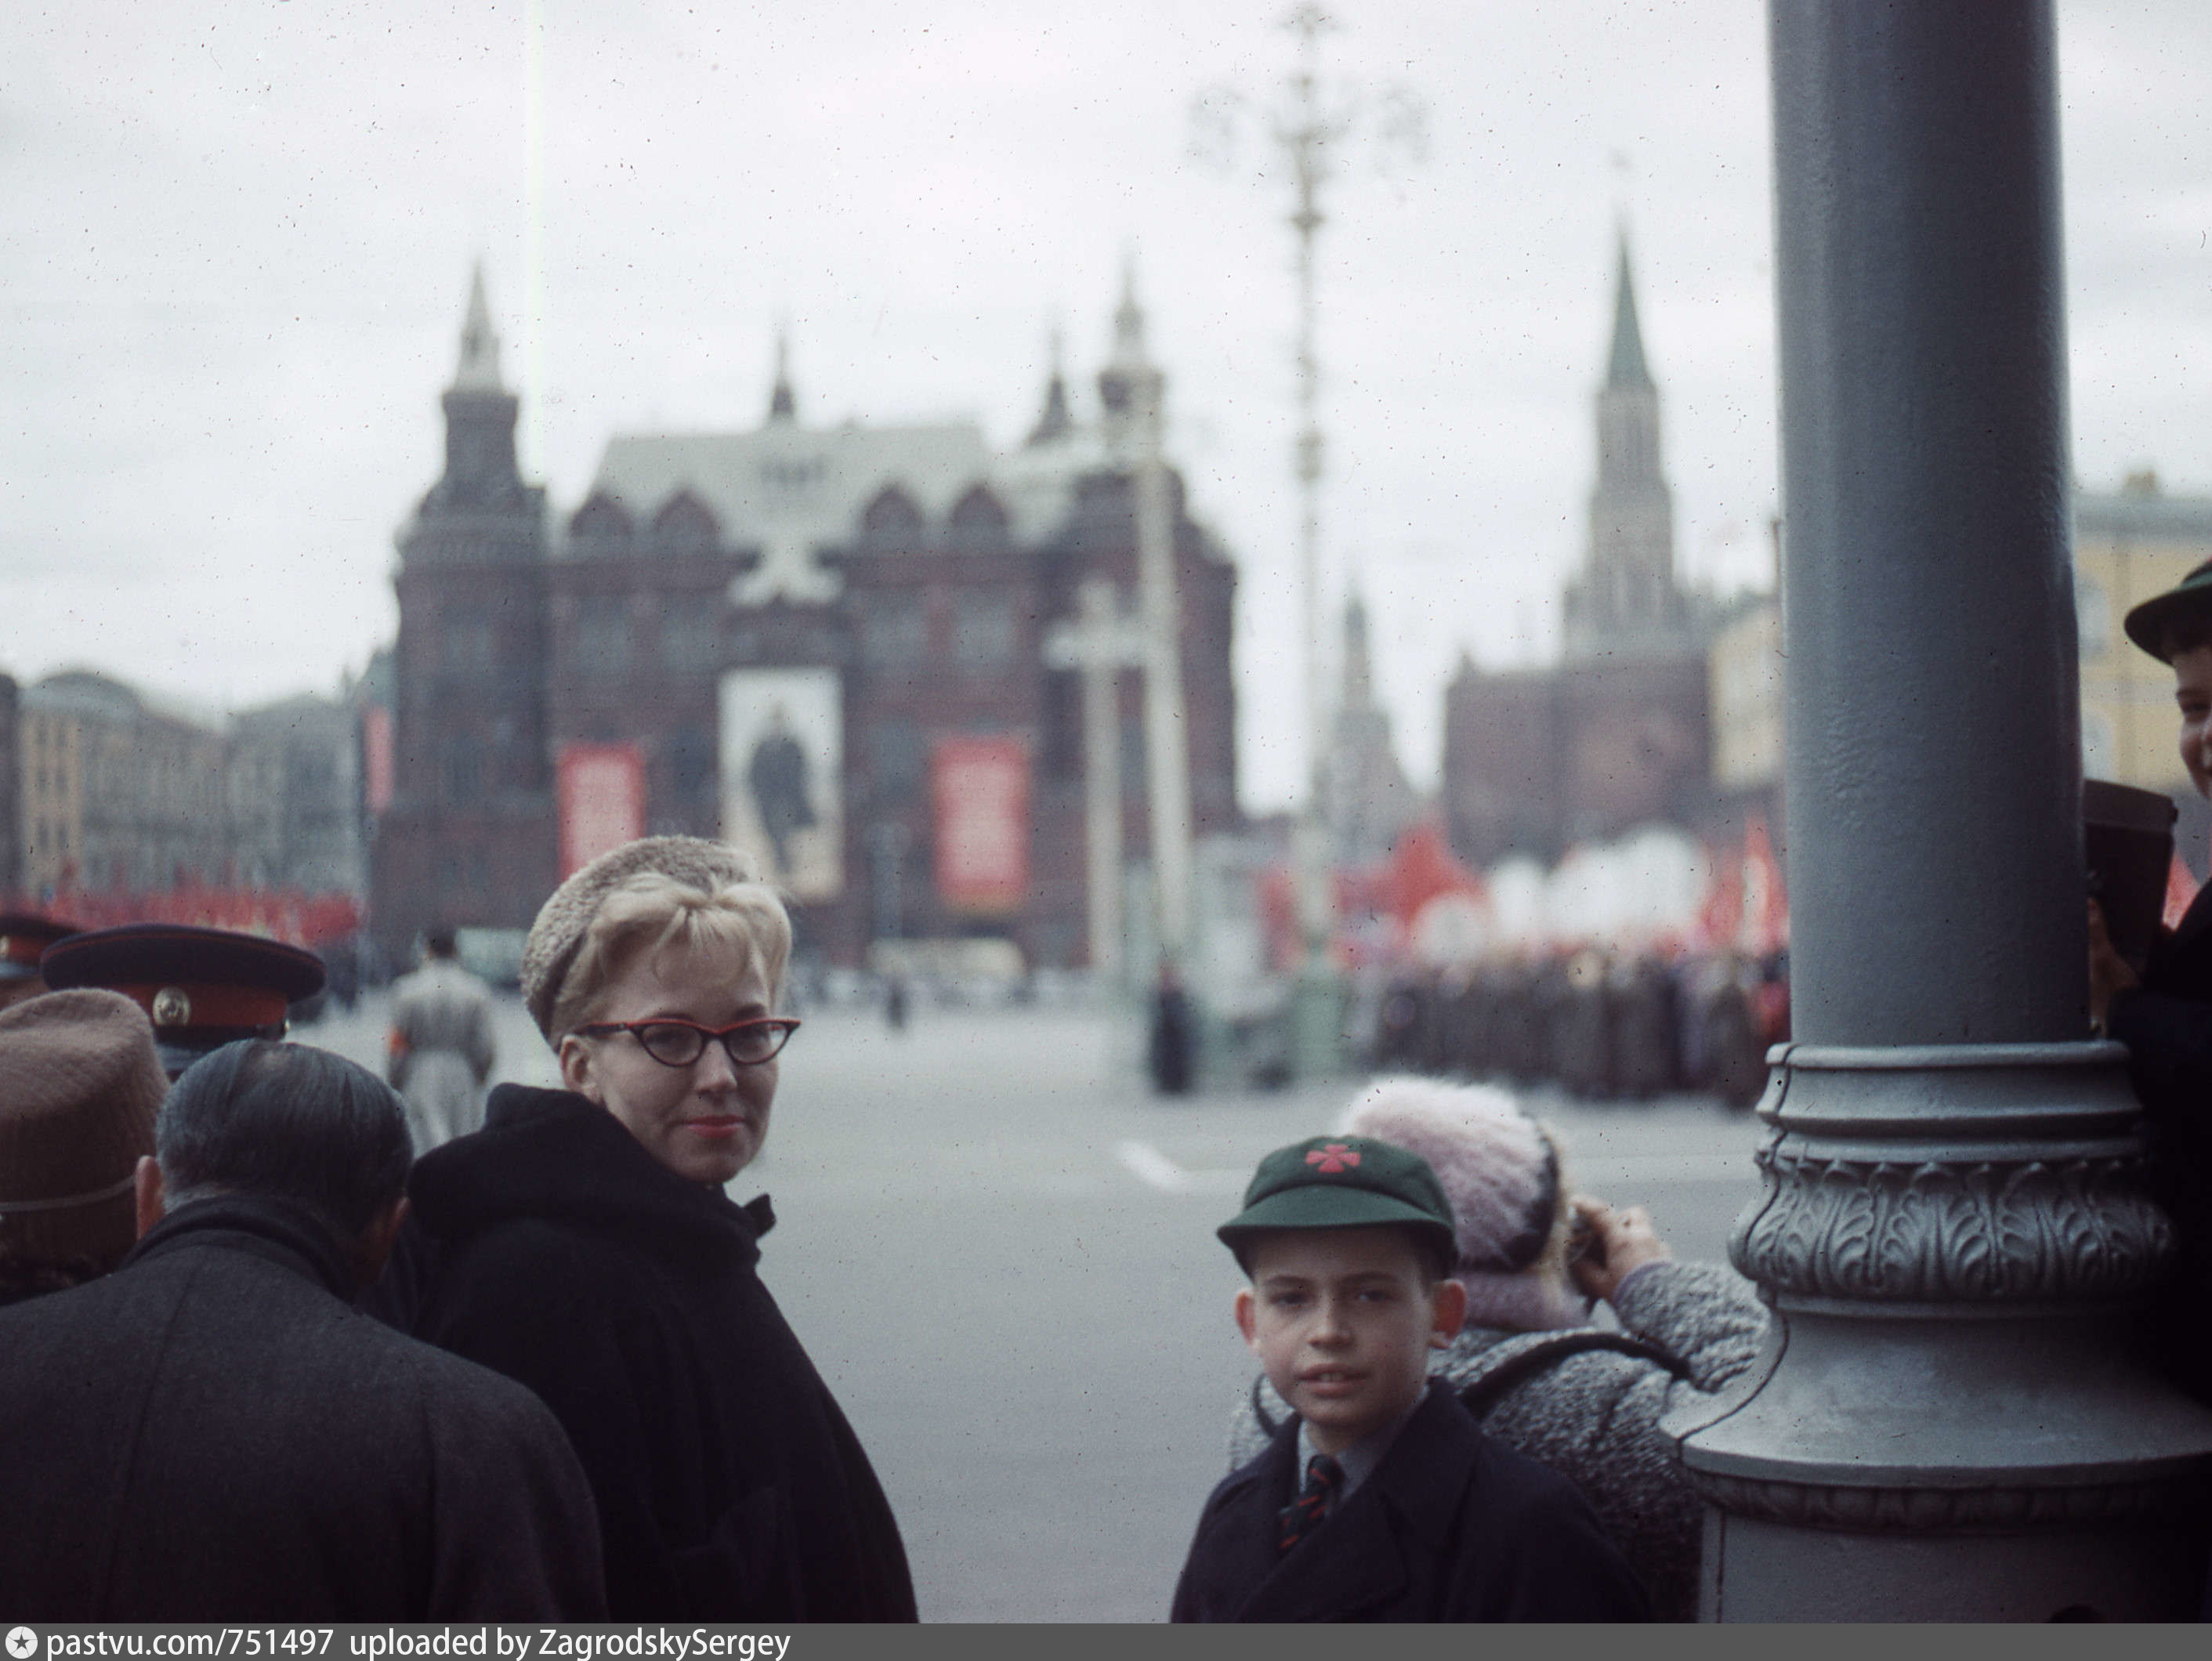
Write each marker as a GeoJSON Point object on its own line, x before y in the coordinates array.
{"type": "Point", "coordinates": [22, 1643]}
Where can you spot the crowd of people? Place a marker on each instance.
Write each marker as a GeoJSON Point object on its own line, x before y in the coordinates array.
{"type": "Point", "coordinates": [259, 1362]}
{"type": "Point", "coordinates": [1601, 1026]}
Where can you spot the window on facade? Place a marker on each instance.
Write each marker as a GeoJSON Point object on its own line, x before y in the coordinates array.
{"type": "Point", "coordinates": [1063, 723]}
{"type": "Point", "coordinates": [464, 771]}
{"type": "Point", "coordinates": [691, 759]}
{"type": "Point", "coordinates": [466, 637]}
{"type": "Point", "coordinates": [603, 634]}
{"type": "Point", "coordinates": [895, 751]}
{"type": "Point", "coordinates": [982, 629]}
{"type": "Point", "coordinates": [1132, 757]}
{"type": "Point", "coordinates": [894, 631]}
{"type": "Point", "coordinates": [690, 637]}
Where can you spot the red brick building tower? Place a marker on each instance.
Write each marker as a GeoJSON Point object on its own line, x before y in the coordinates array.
{"type": "Point", "coordinates": [469, 837]}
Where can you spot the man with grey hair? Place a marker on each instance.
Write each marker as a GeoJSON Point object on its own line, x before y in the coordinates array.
{"type": "Point", "coordinates": [214, 1432]}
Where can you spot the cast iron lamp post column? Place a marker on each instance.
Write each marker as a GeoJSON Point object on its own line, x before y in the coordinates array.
{"type": "Point", "coordinates": [1950, 1422]}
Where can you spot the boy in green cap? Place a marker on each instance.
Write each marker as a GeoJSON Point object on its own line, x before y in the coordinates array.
{"type": "Point", "coordinates": [2164, 1016]}
{"type": "Point", "coordinates": [1381, 1500]}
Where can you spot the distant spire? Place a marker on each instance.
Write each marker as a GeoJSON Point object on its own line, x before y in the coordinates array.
{"type": "Point", "coordinates": [1054, 422]}
{"type": "Point", "coordinates": [1626, 366]}
{"type": "Point", "coordinates": [1128, 366]}
{"type": "Point", "coordinates": [1359, 667]}
{"type": "Point", "coordinates": [479, 366]}
{"type": "Point", "coordinates": [1128, 317]}
{"type": "Point", "coordinates": [782, 406]}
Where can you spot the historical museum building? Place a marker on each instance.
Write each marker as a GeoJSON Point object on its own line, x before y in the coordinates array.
{"type": "Point", "coordinates": [824, 643]}
{"type": "Point", "coordinates": [1618, 734]}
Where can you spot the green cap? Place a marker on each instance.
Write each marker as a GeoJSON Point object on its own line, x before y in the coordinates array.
{"type": "Point", "coordinates": [1343, 1182]}
{"type": "Point", "coordinates": [2147, 623]}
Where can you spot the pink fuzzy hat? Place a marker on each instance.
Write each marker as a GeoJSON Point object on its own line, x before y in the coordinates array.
{"type": "Point", "coordinates": [1500, 1170]}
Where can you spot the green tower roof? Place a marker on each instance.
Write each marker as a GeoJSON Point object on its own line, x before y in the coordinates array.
{"type": "Point", "coordinates": [1625, 367]}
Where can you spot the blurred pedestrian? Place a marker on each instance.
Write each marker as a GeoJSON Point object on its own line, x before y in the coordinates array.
{"type": "Point", "coordinates": [1174, 1034]}
{"type": "Point", "coordinates": [213, 1432]}
{"type": "Point", "coordinates": [24, 937]}
{"type": "Point", "coordinates": [441, 1050]}
{"type": "Point", "coordinates": [583, 1244]}
{"type": "Point", "coordinates": [1527, 1362]}
{"type": "Point", "coordinates": [202, 988]}
{"type": "Point", "coordinates": [1376, 1498]}
{"type": "Point", "coordinates": [79, 1086]}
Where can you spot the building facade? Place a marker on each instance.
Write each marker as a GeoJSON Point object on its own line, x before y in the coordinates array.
{"type": "Point", "coordinates": [792, 636]}
{"type": "Point", "coordinates": [117, 793]}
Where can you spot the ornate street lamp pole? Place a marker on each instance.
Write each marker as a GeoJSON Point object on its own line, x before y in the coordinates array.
{"type": "Point", "coordinates": [1310, 134]}
{"type": "Point", "coordinates": [1950, 1424]}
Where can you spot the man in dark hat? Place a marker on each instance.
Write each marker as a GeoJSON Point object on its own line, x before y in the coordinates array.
{"type": "Point", "coordinates": [24, 937]}
{"type": "Point", "coordinates": [202, 988]}
{"type": "Point", "coordinates": [2164, 1016]}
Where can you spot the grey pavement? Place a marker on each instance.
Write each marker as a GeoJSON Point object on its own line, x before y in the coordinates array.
{"type": "Point", "coordinates": [998, 1249]}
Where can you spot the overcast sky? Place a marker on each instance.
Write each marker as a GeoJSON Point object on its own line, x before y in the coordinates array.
{"type": "Point", "coordinates": [235, 239]}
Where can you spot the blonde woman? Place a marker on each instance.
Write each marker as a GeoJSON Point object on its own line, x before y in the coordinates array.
{"type": "Point", "coordinates": [582, 1243]}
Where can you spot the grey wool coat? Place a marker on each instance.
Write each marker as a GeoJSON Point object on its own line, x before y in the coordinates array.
{"type": "Point", "coordinates": [1594, 1417]}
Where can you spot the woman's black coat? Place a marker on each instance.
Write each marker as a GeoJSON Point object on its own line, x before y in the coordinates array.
{"type": "Point", "coordinates": [729, 1485]}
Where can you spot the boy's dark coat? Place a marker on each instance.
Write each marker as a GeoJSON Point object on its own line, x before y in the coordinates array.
{"type": "Point", "coordinates": [1451, 1526]}
{"type": "Point", "coordinates": [214, 1433]}
{"type": "Point", "coordinates": [2167, 1028]}
{"type": "Point", "coordinates": [730, 1487]}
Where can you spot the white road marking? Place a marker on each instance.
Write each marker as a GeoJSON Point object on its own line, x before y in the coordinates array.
{"type": "Point", "coordinates": [1158, 1172]}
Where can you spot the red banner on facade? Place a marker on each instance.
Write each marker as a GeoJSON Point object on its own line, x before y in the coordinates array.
{"type": "Point", "coordinates": [601, 789]}
{"type": "Point", "coordinates": [980, 788]}
{"type": "Point", "coordinates": [376, 757]}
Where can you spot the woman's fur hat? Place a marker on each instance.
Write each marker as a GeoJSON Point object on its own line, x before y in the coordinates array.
{"type": "Point", "coordinates": [1501, 1171]}
{"type": "Point", "coordinates": [555, 937]}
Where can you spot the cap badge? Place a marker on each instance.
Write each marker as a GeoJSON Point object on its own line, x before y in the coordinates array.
{"type": "Point", "coordinates": [172, 1007]}
{"type": "Point", "coordinates": [1333, 1158]}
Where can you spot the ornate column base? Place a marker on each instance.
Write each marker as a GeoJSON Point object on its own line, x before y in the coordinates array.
{"type": "Point", "coordinates": [1952, 1421]}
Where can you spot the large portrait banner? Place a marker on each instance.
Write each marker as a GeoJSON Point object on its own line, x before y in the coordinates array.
{"type": "Point", "coordinates": [782, 759]}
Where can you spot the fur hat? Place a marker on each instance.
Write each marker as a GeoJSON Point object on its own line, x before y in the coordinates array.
{"type": "Point", "coordinates": [1500, 1170]}
{"type": "Point", "coordinates": [555, 937]}
{"type": "Point", "coordinates": [80, 1083]}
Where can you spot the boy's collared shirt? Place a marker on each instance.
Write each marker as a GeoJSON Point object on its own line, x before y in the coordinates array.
{"type": "Point", "coordinates": [1357, 1460]}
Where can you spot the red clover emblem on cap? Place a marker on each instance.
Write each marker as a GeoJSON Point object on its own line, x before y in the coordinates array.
{"type": "Point", "coordinates": [1333, 1158]}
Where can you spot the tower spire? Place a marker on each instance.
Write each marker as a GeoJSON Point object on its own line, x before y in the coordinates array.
{"type": "Point", "coordinates": [1129, 365]}
{"type": "Point", "coordinates": [782, 406]}
{"type": "Point", "coordinates": [1359, 692]}
{"type": "Point", "coordinates": [1625, 365]}
{"type": "Point", "coordinates": [479, 370]}
{"type": "Point", "coordinates": [1128, 317]}
{"type": "Point", "coordinates": [1055, 421]}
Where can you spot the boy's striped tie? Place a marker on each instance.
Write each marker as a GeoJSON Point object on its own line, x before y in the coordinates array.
{"type": "Point", "coordinates": [1303, 1514]}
